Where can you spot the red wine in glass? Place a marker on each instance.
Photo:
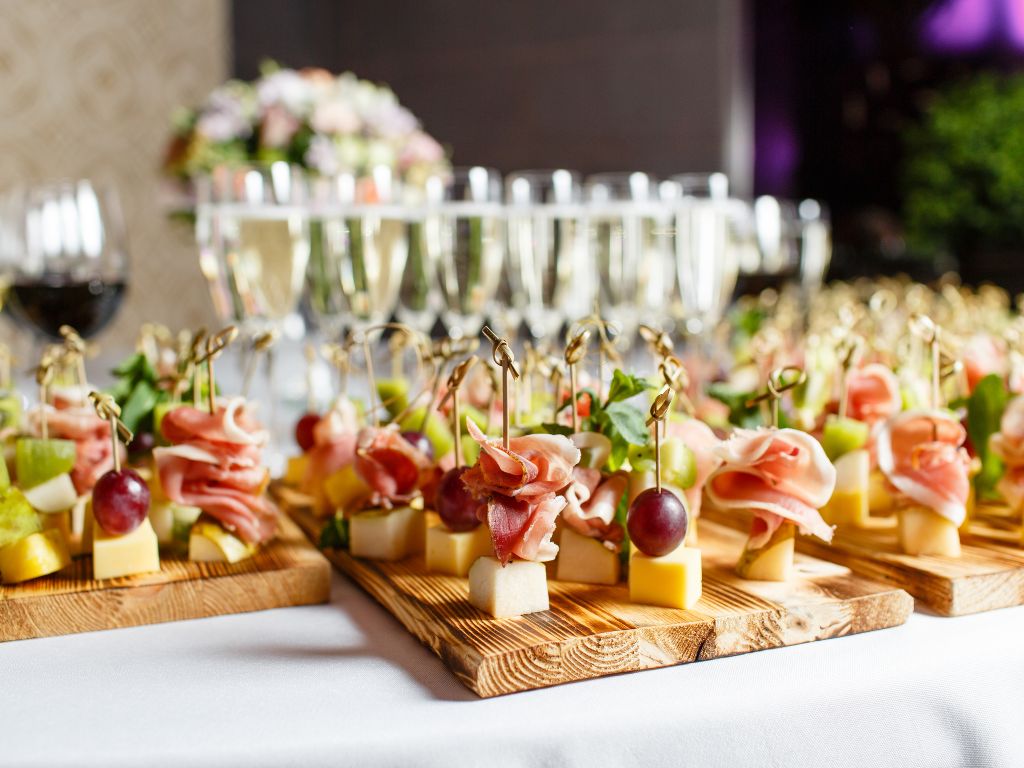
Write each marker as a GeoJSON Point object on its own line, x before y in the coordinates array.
{"type": "Point", "coordinates": [45, 303]}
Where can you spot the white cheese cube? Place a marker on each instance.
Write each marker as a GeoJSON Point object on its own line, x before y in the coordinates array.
{"type": "Point", "coordinates": [454, 552]}
{"type": "Point", "coordinates": [519, 588]}
{"type": "Point", "coordinates": [385, 535]}
{"type": "Point", "coordinates": [127, 554]}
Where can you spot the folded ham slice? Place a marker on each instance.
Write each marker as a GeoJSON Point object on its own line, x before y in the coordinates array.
{"type": "Point", "coordinates": [872, 393]}
{"type": "Point", "coordinates": [591, 501]}
{"type": "Point", "coordinates": [334, 446]}
{"type": "Point", "coordinates": [779, 475]}
{"type": "Point", "coordinates": [921, 454]}
{"type": "Point", "coordinates": [701, 439]}
{"type": "Point", "coordinates": [393, 467]}
{"type": "Point", "coordinates": [522, 488]}
{"type": "Point", "coordinates": [215, 464]}
{"type": "Point", "coordinates": [1008, 445]}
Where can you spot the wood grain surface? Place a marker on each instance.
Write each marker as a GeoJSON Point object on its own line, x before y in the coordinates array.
{"type": "Point", "coordinates": [592, 631]}
{"type": "Point", "coordinates": [288, 571]}
{"type": "Point", "coordinates": [988, 575]}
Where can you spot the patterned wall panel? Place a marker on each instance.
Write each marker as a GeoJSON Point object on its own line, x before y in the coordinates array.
{"type": "Point", "coordinates": [87, 89]}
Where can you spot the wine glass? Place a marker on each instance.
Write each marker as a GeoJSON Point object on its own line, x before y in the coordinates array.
{"type": "Point", "coordinates": [252, 229]}
{"type": "Point", "coordinates": [362, 249]}
{"type": "Point", "coordinates": [630, 240]}
{"type": "Point", "coordinates": [65, 257]}
{"type": "Point", "coordinates": [776, 259]}
{"type": "Point", "coordinates": [815, 234]}
{"type": "Point", "coordinates": [548, 279]}
{"type": "Point", "coordinates": [464, 237]}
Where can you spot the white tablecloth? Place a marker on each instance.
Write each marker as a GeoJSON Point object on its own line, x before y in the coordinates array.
{"type": "Point", "coordinates": [344, 684]}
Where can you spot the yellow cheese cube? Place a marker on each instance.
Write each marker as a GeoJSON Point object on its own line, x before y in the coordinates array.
{"type": "Point", "coordinates": [923, 531]}
{"type": "Point", "coordinates": [516, 589]}
{"type": "Point", "coordinates": [585, 559]}
{"type": "Point", "coordinates": [385, 535]}
{"type": "Point", "coordinates": [670, 581]}
{"type": "Point", "coordinates": [849, 504]}
{"type": "Point", "coordinates": [880, 500]}
{"type": "Point", "coordinates": [454, 552]}
{"type": "Point", "coordinates": [38, 554]}
{"type": "Point", "coordinates": [295, 470]}
{"type": "Point", "coordinates": [125, 555]}
{"type": "Point", "coordinates": [773, 561]}
{"type": "Point", "coordinates": [344, 488]}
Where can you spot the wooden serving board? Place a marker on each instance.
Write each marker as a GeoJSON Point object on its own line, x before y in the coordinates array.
{"type": "Point", "coordinates": [288, 571]}
{"type": "Point", "coordinates": [592, 631]}
{"type": "Point", "coordinates": [988, 575]}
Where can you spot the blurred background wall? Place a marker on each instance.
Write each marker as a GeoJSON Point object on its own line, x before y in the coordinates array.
{"type": "Point", "coordinates": [87, 90]}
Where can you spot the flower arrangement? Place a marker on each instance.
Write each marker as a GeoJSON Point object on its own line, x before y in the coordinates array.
{"type": "Point", "coordinates": [323, 122]}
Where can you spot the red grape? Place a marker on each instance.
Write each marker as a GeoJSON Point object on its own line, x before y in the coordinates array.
{"type": "Point", "coordinates": [120, 501]}
{"type": "Point", "coordinates": [304, 430]}
{"type": "Point", "coordinates": [656, 522]}
{"type": "Point", "coordinates": [454, 503]}
{"type": "Point", "coordinates": [141, 445]}
{"type": "Point", "coordinates": [420, 442]}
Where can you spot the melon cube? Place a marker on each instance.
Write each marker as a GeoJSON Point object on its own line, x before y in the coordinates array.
{"type": "Point", "coordinates": [454, 552]}
{"type": "Point", "coordinates": [923, 531]}
{"type": "Point", "coordinates": [849, 504]}
{"type": "Point", "coordinates": [585, 559]}
{"type": "Point", "coordinates": [773, 561]}
{"type": "Point", "coordinates": [516, 589]}
{"type": "Point", "coordinates": [386, 534]}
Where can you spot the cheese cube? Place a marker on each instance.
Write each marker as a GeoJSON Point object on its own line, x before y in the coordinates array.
{"type": "Point", "coordinates": [454, 552]}
{"type": "Point", "coordinates": [386, 535]}
{"type": "Point", "coordinates": [38, 554]}
{"type": "Point", "coordinates": [773, 561]}
{"type": "Point", "coordinates": [416, 532]}
{"type": "Point", "coordinates": [585, 559]}
{"type": "Point", "coordinates": [519, 588]}
{"type": "Point", "coordinates": [125, 555]}
{"type": "Point", "coordinates": [880, 499]}
{"type": "Point", "coordinates": [923, 531]}
{"type": "Point", "coordinates": [670, 581]}
{"type": "Point", "coordinates": [295, 470]}
{"type": "Point", "coordinates": [344, 488]}
{"type": "Point", "coordinates": [209, 543]}
{"type": "Point", "coordinates": [849, 502]}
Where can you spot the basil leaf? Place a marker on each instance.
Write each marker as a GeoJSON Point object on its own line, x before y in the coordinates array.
{"type": "Point", "coordinates": [628, 422]}
{"type": "Point", "coordinates": [625, 386]}
{"type": "Point", "coordinates": [985, 409]}
{"type": "Point", "coordinates": [139, 406]}
{"type": "Point", "coordinates": [334, 534]}
{"type": "Point", "coordinates": [556, 429]}
{"type": "Point", "coordinates": [739, 413]}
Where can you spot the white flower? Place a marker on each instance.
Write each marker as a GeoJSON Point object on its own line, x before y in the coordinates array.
{"type": "Point", "coordinates": [379, 153]}
{"type": "Point", "coordinates": [420, 147]}
{"type": "Point", "coordinates": [227, 114]}
{"type": "Point", "coordinates": [278, 127]}
{"type": "Point", "coordinates": [322, 156]}
{"type": "Point", "coordinates": [351, 152]}
{"type": "Point", "coordinates": [287, 88]}
{"type": "Point", "coordinates": [334, 116]}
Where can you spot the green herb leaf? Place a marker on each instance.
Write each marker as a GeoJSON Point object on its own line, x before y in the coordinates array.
{"type": "Point", "coordinates": [628, 423]}
{"type": "Point", "coordinates": [556, 429]}
{"type": "Point", "coordinates": [625, 386]}
{"type": "Point", "coordinates": [138, 408]}
{"type": "Point", "coordinates": [334, 534]}
{"type": "Point", "coordinates": [739, 413]}
{"type": "Point", "coordinates": [985, 409]}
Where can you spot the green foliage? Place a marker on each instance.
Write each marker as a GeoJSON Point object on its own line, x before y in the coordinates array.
{"type": "Point", "coordinates": [985, 409]}
{"type": "Point", "coordinates": [136, 391]}
{"type": "Point", "coordinates": [334, 534]}
{"type": "Point", "coordinates": [964, 176]}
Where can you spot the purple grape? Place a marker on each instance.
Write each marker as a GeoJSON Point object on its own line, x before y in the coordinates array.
{"type": "Point", "coordinates": [120, 501]}
{"type": "Point", "coordinates": [454, 503]}
{"type": "Point", "coordinates": [656, 522]}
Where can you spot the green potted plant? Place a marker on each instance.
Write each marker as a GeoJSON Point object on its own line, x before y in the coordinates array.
{"type": "Point", "coordinates": [964, 178]}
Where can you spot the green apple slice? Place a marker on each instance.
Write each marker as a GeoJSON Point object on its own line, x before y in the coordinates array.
{"type": "Point", "coordinates": [17, 518]}
{"type": "Point", "coordinates": [678, 464]}
{"type": "Point", "coordinates": [394, 394]}
{"type": "Point", "coordinates": [436, 431]}
{"type": "Point", "coordinates": [10, 411]}
{"type": "Point", "coordinates": [37, 460]}
{"type": "Point", "coordinates": [842, 435]}
{"type": "Point", "coordinates": [55, 495]}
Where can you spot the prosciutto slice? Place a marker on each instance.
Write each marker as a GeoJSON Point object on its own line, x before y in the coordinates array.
{"type": "Point", "coordinates": [921, 454]}
{"type": "Point", "coordinates": [872, 393]}
{"type": "Point", "coordinates": [215, 465]}
{"type": "Point", "coordinates": [701, 439]}
{"type": "Point", "coordinates": [591, 501]}
{"type": "Point", "coordinates": [1008, 445]}
{"type": "Point", "coordinates": [334, 446]}
{"type": "Point", "coordinates": [779, 474]}
{"type": "Point", "coordinates": [396, 470]}
{"type": "Point", "coordinates": [522, 488]}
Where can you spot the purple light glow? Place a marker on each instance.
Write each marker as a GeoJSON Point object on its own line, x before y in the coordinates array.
{"type": "Point", "coordinates": [970, 26]}
{"type": "Point", "coordinates": [776, 154]}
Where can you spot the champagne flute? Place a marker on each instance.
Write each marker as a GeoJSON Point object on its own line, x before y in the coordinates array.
{"type": "Point", "coordinates": [548, 277]}
{"type": "Point", "coordinates": [815, 235]}
{"type": "Point", "coordinates": [629, 235]}
{"type": "Point", "coordinates": [464, 237]}
{"type": "Point", "coordinates": [65, 258]}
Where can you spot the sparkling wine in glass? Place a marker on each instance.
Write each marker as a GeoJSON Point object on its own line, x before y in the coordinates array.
{"type": "Point", "coordinates": [65, 257]}
{"type": "Point", "coordinates": [464, 237]}
{"type": "Point", "coordinates": [630, 239]}
{"type": "Point", "coordinates": [548, 276]}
